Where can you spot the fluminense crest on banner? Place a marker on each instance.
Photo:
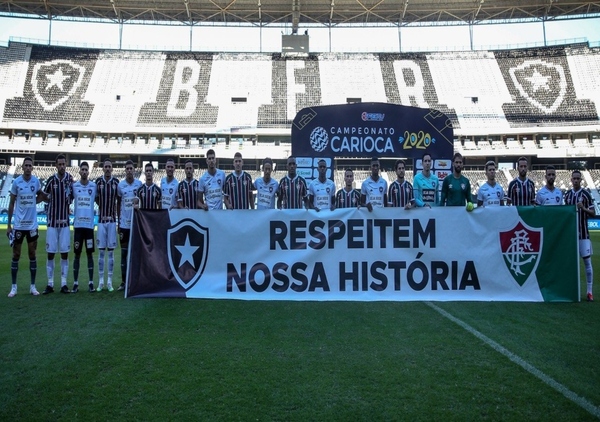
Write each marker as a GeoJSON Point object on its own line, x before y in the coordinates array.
{"type": "Point", "coordinates": [521, 249]}
{"type": "Point", "coordinates": [187, 249]}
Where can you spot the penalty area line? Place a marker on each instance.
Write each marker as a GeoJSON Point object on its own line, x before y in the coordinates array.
{"type": "Point", "coordinates": [580, 401]}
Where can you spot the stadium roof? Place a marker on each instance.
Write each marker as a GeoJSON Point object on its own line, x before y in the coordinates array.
{"type": "Point", "coordinates": [295, 12]}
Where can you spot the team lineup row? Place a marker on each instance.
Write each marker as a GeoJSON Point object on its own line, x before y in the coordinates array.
{"type": "Point", "coordinates": [116, 201]}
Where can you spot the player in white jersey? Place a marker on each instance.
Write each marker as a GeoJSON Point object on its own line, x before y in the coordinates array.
{"type": "Point", "coordinates": [210, 185]}
{"type": "Point", "coordinates": [490, 194]}
{"type": "Point", "coordinates": [426, 185]}
{"type": "Point", "coordinates": [321, 191]}
{"type": "Point", "coordinates": [126, 193]}
{"type": "Point", "coordinates": [373, 191]}
{"type": "Point", "coordinates": [24, 194]}
{"type": "Point", "coordinates": [84, 194]}
{"type": "Point", "coordinates": [168, 186]}
{"type": "Point", "coordinates": [549, 194]}
{"type": "Point", "coordinates": [266, 187]}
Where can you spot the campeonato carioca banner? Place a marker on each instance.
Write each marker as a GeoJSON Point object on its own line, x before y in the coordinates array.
{"type": "Point", "coordinates": [440, 254]}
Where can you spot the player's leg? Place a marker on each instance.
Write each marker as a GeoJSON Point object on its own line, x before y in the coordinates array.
{"type": "Point", "coordinates": [585, 250]}
{"type": "Point", "coordinates": [51, 250]}
{"type": "Point", "coordinates": [14, 263]}
{"type": "Point", "coordinates": [124, 248]}
{"type": "Point", "coordinates": [64, 242]}
{"type": "Point", "coordinates": [32, 239]}
{"type": "Point", "coordinates": [89, 250]}
{"type": "Point", "coordinates": [102, 245]}
{"type": "Point", "coordinates": [77, 248]}
{"type": "Point", "coordinates": [111, 245]}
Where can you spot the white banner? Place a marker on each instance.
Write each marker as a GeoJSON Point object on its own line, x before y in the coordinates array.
{"type": "Point", "coordinates": [439, 254]}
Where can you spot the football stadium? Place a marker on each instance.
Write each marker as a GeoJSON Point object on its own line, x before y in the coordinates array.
{"type": "Point", "coordinates": [363, 313]}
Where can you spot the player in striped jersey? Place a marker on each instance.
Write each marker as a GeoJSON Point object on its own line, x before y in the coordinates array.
{"type": "Point", "coordinates": [58, 237]}
{"type": "Point", "coordinates": [348, 197]}
{"type": "Point", "coordinates": [210, 185]}
{"type": "Point", "coordinates": [292, 188]}
{"type": "Point", "coordinates": [83, 195]}
{"type": "Point", "coordinates": [521, 190]}
{"type": "Point", "coordinates": [24, 194]}
{"type": "Point", "coordinates": [549, 194]}
{"type": "Point", "coordinates": [238, 187]}
{"type": "Point", "coordinates": [321, 191]}
{"type": "Point", "coordinates": [400, 193]}
{"type": "Point", "coordinates": [107, 193]}
{"type": "Point", "coordinates": [490, 194]}
{"type": "Point", "coordinates": [187, 190]}
{"type": "Point", "coordinates": [266, 187]}
{"type": "Point", "coordinates": [149, 195]}
{"type": "Point", "coordinates": [168, 186]}
{"type": "Point", "coordinates": [584, 204]}
{"type": "Point", "coordinates": [373, 191]}
{"type": "Point", "coordinates": [126, 194]}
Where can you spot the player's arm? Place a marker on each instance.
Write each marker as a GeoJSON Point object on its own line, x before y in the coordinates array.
{"type": "Point", "coordinates": [201, 204]}
{"type": "Point", "coordinates": [410, 198]}
{"type": "Point", "coordinates": [279, 196]}
{"type": "Point", "coordinates": [436, 194]}
{"type": "Point", "coordinates": [590, 210]}
{"type": "Point", "coordinates": [310, 199]}
{"type": "Point", "coordinates": [534, 194]}
{"type": "Point", "coordinates": [332, 201]}
{"type": "Point", "coordinates": [444, 196]}
{"type": "Point", "coordinates": [304, 193]}
{"type": "Point", "coordinates": [227, 202]}
{"type": "Point", "coordinates": [119, 206]}
{"type": "Point", "coordinates": [480, 198]}
{"type": "Point", "coordinates": [11, 209]}
{"type": "Point", "coordinates": [418, 193]}
{"type": "Point", "coordinates": [44, 194]}
{"type": "Point", "coordinates": [385, 199]}
{"type": "Point", "coordinates": [469, 196]}
{"type": "Point", "coordinates": [337, 198]}
{"type": "Point", "coordinates": [251, 195]}
{"type": "Point", "coordinates": [509, 194]}
{"type": "Point", "coordinates": [159, 200]}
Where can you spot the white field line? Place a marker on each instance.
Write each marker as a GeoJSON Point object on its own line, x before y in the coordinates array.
{"type": "Point", "coordinates": [580, 401]}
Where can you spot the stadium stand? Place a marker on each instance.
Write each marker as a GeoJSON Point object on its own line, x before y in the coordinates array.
{"type": "Point", "coordinates": [128, 91]}
{"type": "Point", "coordinates": [539, 102]}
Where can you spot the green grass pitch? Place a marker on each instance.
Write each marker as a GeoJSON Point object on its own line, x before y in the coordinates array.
{"type": "Point", "coordinates": [99, 357]}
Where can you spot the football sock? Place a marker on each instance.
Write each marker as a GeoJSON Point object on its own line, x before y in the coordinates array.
{"type": "Point", "coordinates": [123, 264]}
{"type": "Point", "coordinates": [111, 262]}
{"type": "Point", "coordinates": [14, 267]}
{"type": "Point", "coordinates": [589, 273]}
{"type": "Point", "coordinates": [76, 268]}
{"type": "Point", "coordinates": [50, 271]}
{"type": "Point", "coordinates": [64, 270]}
{"type": "Point", "coordinates": [90, 260]}
{"type": "Point", "coordinates": [101, 265]}
{"type": "Point", "coordinates": [33, 270]}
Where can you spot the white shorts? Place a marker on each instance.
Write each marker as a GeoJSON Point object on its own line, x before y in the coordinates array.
{"type": "Point", "coordinates": [107, 236]}
{"type": "Point", "coordinates": [58, 240]}
{"type": "Point", "coordinates": [585, 248]}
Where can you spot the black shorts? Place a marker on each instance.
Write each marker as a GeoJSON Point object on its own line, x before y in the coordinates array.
{"type": "Point", "coordinates": [30, 235]}
{"type": "Point", "coordinates": [83, 237]}
{"type": "Point", "coordinates": [124, 237]}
